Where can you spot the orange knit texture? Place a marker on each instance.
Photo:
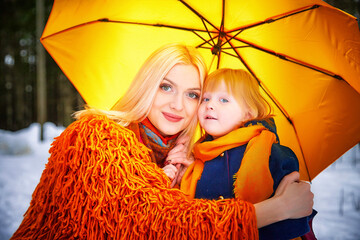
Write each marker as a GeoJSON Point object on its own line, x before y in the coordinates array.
{"type": "Point", "coordinates": [100, 183]}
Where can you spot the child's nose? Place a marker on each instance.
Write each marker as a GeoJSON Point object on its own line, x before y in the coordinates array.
{"type": "Point", "coordinates": [209, 106]}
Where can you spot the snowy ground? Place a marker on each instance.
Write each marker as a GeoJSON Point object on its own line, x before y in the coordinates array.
{"type": "Point", "coordinates": [23, 158]}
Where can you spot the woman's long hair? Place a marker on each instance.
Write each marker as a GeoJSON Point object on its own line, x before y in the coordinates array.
{"type": "Point", "coordinates": [135, 104]}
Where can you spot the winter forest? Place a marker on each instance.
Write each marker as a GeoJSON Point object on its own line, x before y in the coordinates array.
{"type": "Point", "coordinates": [37, 101]}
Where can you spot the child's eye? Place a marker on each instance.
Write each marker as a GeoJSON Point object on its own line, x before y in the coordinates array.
{"type": "Point", "coordinates": [224, 100]}
{"type": "Point", "coordinates": [165, 87]}
{"type": "Point", "coordinates": [194, 95]}
{"type": "Point", "coordinates": [205, 100]}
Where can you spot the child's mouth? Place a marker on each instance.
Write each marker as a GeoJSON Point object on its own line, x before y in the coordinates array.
{"type": "Point", "coordinates": [210, 117]}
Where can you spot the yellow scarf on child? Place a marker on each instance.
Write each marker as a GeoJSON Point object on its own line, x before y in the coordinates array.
{"type": "Point", "coordinates": [253, 181]}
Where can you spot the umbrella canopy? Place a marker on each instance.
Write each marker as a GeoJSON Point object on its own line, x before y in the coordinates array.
{"type": "Point", "coordinates": [304, 54]}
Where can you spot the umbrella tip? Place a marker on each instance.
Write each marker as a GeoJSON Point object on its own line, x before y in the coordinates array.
{"type": "Point", "coordinates": [215, 49]}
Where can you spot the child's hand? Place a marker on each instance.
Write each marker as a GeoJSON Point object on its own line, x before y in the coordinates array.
{"type": "Point", "coordinates": [179, 154]}
{"type": "Point", "coordinates": [184, 140]}
{"type": "Point", "coordinates": [181, 164]}
{"type": "Point", "coordinates": [178, 157]}
{"type": "Point", "coordinates": [170, 171]}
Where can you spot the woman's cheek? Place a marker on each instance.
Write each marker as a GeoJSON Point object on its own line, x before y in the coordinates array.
{"type": "Point", "coordinates": [200, 111]}
{"type": "Point", "coordinates": [192, 108]}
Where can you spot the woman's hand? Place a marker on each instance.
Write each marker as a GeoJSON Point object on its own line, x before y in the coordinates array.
{"type": "Point", "coordinates": [295, 195]}
{"type": "Point", "coordinates": [292, 199]}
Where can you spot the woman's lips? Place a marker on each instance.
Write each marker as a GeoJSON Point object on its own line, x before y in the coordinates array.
{"type": "Point", "coordinates": [171, 117]}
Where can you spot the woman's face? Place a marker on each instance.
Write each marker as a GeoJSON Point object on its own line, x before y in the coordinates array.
{"type": "Point", "coordinates": [176, 100]}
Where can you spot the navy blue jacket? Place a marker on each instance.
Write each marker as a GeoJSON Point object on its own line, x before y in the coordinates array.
{"type": "Point", "coordinates": [217, 181]}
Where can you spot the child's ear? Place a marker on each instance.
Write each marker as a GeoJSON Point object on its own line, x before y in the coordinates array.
{"type": "Point", "coordinates": [249, 115]}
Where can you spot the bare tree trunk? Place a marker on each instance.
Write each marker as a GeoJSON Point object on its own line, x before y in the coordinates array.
{"type": "Point", "coordinates": [41, 68]}
{"type": "Point", "coordinates": [68, 100]}
{"type": "Point", "coordinates": [18, 99]}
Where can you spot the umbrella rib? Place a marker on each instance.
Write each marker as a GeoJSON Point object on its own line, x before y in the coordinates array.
{"type": "Point", "coordinates": [230, 54]}
{"type": "Point", "coordinates": [223, 15]}
{"type": "Point", "coordinates": [290, 59]}
{"type": "Point", "coordinates": [205, 41]}
{"type": "Point", "coordinates": [170, 26]}
{"type": "Point", "coordinates": [276, 18]}
{"type": "Point", "coordinates": [198, 14]}
{"type": "Point", "coordinates": [307, 65]}
{"type": "Point", "coordinates": [231, 37]}
{"type": "Point", "coordinates": [283, 111]}
{"type": "Point", "coordinates": [127, 22]}
{"type": "Point", "coordinates": [221, 35]}
{"type": "Point", "coordinates": [157, 25]}
{"type": "Point", "coordinates": [235, 47]}
{"type": "Point", "coordinates": [286, 115]}
{"type": "Point", "coordinates": [67, 29]}
{"type": "Point", "coordinates": [207, 32]}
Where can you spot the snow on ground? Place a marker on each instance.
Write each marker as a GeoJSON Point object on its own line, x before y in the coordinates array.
{"type": "Point", "coordinates": [23, 158]}
{"type": "Point", "coordinates": [337, 199]}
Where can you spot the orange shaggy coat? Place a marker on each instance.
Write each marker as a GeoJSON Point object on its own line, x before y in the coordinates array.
{"type": "Point", "coordinates": [100, 183]}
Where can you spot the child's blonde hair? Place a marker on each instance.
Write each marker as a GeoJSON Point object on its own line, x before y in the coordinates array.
{"type": "Point", "coordinates": [135, 104]}
{"type": "Point", "coordinates": [244, 88]}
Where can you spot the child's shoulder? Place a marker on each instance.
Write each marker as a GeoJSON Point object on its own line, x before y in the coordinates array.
{"type": "Point", "coordinates": [268, 123]}
{"type": "Point", "coordinates": [283, 157]}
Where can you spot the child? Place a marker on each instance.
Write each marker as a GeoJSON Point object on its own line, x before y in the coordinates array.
{"type": "Point", "coordinates": [240, 155]}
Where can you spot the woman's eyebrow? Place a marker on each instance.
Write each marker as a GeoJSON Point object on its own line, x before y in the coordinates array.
{"type": "Point", "coordinates": [170, 81]}
{"type": "Point", "coordinates": [173, 83]}
{"type": "Point", "coordinates": [195, 89]}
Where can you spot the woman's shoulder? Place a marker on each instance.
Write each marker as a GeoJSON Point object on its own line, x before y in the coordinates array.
{"type": "Point", "coordinates": [98, 126]}
{"type": "Point", "coordinates": [95, 131]}
{"type": "Point", "coordinates": [93, 119]}
{"type": "Point", "coordinates": [97, 120]}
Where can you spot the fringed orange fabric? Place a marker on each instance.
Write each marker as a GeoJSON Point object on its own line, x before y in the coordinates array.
{"type": "Point", "coordinates": [99, 183]}
{"type": "Point", "coordinates": [191, 177]}
{"type": "Point", "coordinates": [209, 150]}
{"type": "Point", "coordinates": [253, 181]}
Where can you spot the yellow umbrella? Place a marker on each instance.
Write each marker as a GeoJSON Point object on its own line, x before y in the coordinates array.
{"type": "Point", "coordinates": [305, 55]}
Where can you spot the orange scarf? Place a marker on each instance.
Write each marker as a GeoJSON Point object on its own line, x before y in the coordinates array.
{"type": "Point", "coordinates": [253, 181]}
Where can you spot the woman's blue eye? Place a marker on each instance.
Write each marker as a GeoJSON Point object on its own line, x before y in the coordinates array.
{"type": "Point", "coordinates": [165, 87]}
{"type": "Point", "coordinates": [223, 100]}
{"type": "Point", "coordinates": [194, 95]}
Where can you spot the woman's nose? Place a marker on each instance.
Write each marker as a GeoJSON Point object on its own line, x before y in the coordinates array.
{"type": "Point", "coordinates": [177, 102]}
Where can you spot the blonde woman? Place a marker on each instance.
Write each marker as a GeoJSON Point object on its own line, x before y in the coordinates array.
{"type": "Point", "coordinates": [104, 178]}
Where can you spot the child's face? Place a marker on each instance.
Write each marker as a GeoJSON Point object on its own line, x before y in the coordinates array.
{"type": "Point", "coordinates": [219, 112]}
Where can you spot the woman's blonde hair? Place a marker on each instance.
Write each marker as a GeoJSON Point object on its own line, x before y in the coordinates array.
{"type": "Point", "coordinates": [135, 104]}
{"type": "Point", "coordinates": [244, 88]}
